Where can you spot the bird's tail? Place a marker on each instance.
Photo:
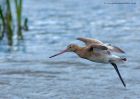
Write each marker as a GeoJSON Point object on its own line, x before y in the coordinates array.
{"type": "Point", "coordinates": [117, 59]}
{"type": "Point", "coordinates": [124, 59]}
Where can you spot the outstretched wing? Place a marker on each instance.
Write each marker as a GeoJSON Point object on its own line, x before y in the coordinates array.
{"type": "Point", "coordinates": [115, 49]}
{"type": "Point", "coordinates": [89, 41]}
{"type": "Point", "coordinates": [96, 47]}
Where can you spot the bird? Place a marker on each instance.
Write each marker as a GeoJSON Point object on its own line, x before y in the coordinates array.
{"type": "Point", "coordinates": [97, 51]}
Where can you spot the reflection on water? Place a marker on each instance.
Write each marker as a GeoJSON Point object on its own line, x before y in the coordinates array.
{"type": "Point", "coordinates": [27, 72]}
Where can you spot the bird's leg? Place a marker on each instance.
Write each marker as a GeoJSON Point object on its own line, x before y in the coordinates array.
{"type": "Point", "coordinates": [116, 68]}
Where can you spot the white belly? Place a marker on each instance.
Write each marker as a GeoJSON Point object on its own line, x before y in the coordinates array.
{"type": "Point", "coordinates": [105, 58]}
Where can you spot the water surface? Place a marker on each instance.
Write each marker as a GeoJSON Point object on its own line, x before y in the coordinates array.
{"type": "Point", "coordinates": [26, 72]}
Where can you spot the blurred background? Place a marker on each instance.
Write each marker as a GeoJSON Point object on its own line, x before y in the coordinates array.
{"type": "Point", "coordinates": [33, 30]}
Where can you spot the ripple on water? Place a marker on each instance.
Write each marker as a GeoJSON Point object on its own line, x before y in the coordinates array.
{"type": "Point", "coordinates": [27, 72]}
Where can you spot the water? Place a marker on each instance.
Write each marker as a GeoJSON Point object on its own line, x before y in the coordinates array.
{"type": "Point", "coordinates": [26, 72]}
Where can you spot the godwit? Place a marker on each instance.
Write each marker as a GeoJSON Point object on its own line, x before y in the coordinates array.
{"type": "Point", "coordinates": [97, 51]}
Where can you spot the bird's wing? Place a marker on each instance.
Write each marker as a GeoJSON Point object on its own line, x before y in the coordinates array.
{"type": "Point", "coordinates": [115, 49]}
{"type": "Point", "coordinates": [96, 47]}
{"type": "Point", "coordinates": [89, 41]}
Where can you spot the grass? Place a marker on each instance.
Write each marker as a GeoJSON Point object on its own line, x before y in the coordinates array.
{"type": "Point", "coordinates": [8, 19]}
{"type": "Point", "coordinates": [2, 24]}
{"type": "Point", "coordinates": [7, 24]}
{"type": "Point", "coordinates": [18, 4]}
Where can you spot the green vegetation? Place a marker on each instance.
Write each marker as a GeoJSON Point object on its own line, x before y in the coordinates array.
{"type": "Point", "coordinates": [7, 24]}
{"type": "Point", "coordinates": [2, 25]}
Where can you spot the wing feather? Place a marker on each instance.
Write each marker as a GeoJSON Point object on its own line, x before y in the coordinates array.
{"type": "Point", "coordinates": [98, 44]}
{"type": "Point", "coordinates": [89, 41]}
{"type": "Point", "coordinates": [97, 47]}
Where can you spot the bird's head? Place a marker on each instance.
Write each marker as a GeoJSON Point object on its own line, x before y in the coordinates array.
{"type": "Point", "coordinates": [72, 47]}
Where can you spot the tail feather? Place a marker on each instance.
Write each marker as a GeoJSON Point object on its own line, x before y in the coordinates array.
{"type": "Point", "coordinates": [117, 59]}
{"type": "Point", "coordinates": [124, 59]}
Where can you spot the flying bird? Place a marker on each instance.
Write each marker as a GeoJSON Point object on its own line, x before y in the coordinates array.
{"type": "Point", "coordinates": [97, 51]}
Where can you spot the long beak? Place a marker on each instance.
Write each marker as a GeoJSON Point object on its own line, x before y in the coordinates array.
{"type": "Point", "coordinates": [59, 53]}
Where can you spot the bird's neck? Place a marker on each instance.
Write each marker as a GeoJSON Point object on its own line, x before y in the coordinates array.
{"type": "Point", "coordinates": [79, 51]}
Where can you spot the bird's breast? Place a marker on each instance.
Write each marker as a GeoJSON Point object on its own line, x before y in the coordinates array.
{"type": "Point", "coordinates": [94, 56]}
{"type": "Point", "coordinates": [99, 59]}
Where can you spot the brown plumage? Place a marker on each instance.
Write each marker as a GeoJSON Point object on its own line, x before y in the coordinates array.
{"type": "Point", "coordinates": [96, 51]}
{"type": "Point", "coordinates": [89, 41]}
